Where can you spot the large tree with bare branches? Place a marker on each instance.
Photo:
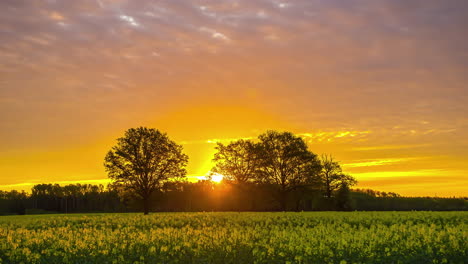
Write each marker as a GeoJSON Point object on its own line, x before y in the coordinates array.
{"type": "Point", "coordinates": [143, 160]}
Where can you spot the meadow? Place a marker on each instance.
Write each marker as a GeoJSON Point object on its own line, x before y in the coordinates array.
{"type": "Point", "coordinates": [303, 237]}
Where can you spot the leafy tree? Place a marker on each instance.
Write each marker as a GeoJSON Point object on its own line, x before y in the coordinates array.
{"type": "Point", "coordinates": [285, 161]}
{"type": "Point", "coordinates": [235, 161]}
{"type": "Point", "coordinates": [332, 175]}
{"type": "Point", "coordinates": [143, 160]}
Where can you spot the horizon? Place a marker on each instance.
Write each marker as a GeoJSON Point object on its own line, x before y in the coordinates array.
{"type": "Point", "coordinates": [381, 86]}
{"type": "Point", "coordinates": [195, 179]}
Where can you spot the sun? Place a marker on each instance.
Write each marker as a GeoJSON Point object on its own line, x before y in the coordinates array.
{"type": "Point", "coordinates": [212, 176]}
{"type": "Point", "coordinates": [216, 177]}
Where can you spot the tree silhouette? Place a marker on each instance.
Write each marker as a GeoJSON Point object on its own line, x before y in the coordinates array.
{"type": "Point", "coordinates": [143, 160]}
{"type": "Point", "coordinates": [236, 161]}
{"type": "Point", "coordinates": [285, 161]}
{"type": "Point", "coordinates": [332, 175]}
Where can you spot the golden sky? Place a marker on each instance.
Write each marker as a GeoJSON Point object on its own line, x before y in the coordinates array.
{"type": "Point", "coordinates": [381, 85]}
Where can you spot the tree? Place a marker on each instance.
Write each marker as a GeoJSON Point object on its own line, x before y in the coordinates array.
{"type": "Point", "coordinates": [235, 161]}
{"type": "Point", "coordinates": [285, 161]}
{"type": "Point", "coordinates": [332, 175]}
{"type": "Point", "coordinates": [143, 160]}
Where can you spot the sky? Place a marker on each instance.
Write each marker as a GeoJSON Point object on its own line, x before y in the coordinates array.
{"type": "Point", "coordinates": [380, 85]}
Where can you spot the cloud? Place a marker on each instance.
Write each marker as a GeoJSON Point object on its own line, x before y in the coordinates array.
{"type": "Point", "coordinates": [412, 173]}
{"type": "Point", "coordinates": [214, 34]}
{"type": "Point", "coordinates": [311, 137]}
{"type": "Point", "coordinates": [215, 140]}
{"type": "Point", "coordinates": [363, 76]}
{"type": "Point", "coordinates": [130, 20]}
{"type": "Point", "coordinates": [377, 162]}
{"type": "Point", "coordinates": [329, 136]}
{"type": "Point", "coordinates": [390, 147]}
{"type": "Point", "coordinates": [56, 16]}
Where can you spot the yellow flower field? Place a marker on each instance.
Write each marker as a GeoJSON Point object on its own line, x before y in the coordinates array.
{"type": "Point", "coordinates": [305, 237]}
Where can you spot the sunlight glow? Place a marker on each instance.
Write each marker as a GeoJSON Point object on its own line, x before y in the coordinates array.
{"type": "Point", "coordinates": [216, 177]}
{"type": "Point", "coordinates": [210, 176]}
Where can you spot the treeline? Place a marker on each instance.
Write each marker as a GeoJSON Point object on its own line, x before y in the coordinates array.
{"type": "Point", "coordinates": [369, 200]}
{"type": "Point", "coordinates": [53, 198]}
{"type": "Point", "coordinates": [207, 196]}
{"type": "Point", "coordinates": [275, 172]}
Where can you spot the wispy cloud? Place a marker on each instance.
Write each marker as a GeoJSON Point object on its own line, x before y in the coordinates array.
{"type": "Point", "coordinates": [215, 140]}
{"type": "Point", "coordinates": [215, 34]}
{"type": "Point", "coordinates": [310, 137]}
{"type": "Point", "coordinates": [411, 173]}
{"type": "Point", "coordinates": [390, 147]}
{"type": "Point", "coordinates": [328, 136]}
{"type": "Point", "coordinates": [379, 162]}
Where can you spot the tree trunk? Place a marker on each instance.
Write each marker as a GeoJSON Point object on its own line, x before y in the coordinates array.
{"type": "Point", "coordinates": [283, 200]}
{"type": "Point", "coordinates": [298, 203]}
{"type": "Point", "coordinates": [328, 188]}
{"type": "Point", "coordinates": [146, 205]}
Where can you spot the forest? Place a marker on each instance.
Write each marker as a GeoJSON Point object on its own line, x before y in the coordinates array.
{"type": "Point", "coordinates": [208, 196]}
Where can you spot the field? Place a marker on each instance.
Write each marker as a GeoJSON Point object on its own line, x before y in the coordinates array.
{"type": "Point", "coordinates": [306, 237]}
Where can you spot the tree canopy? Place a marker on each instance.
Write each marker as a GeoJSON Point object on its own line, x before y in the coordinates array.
{"type": "Point", "coordinates": [284, 160]}
{"type": "Point", "coordinates": [143, 160]}
{"type": "Point", "coordinates": [236, 161]}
